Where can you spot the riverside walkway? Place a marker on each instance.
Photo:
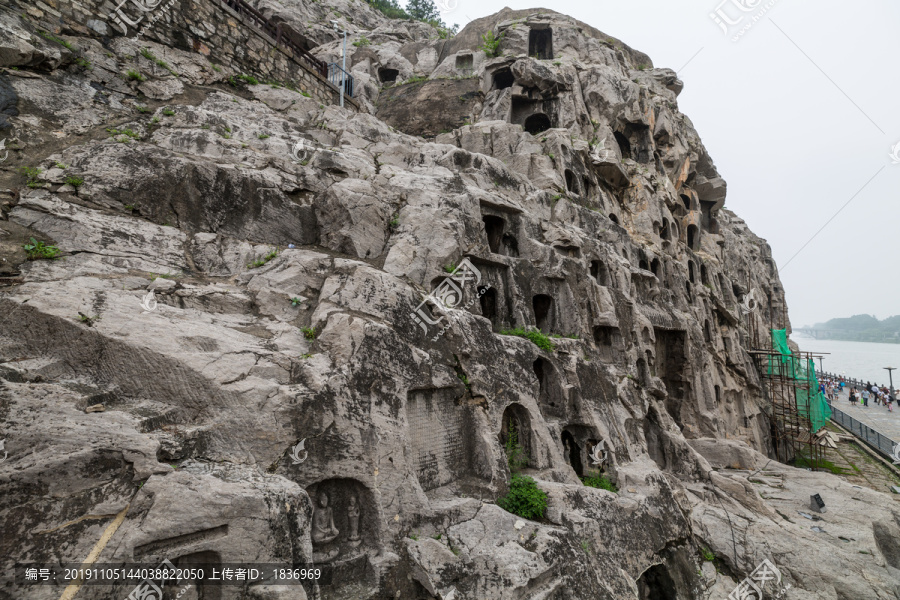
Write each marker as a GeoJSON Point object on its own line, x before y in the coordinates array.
{"type": "Point", "coordinates": [875, 416]}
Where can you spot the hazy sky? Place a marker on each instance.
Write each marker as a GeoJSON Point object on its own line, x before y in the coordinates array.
{"type": "Point", "coordinates": [797, 120]}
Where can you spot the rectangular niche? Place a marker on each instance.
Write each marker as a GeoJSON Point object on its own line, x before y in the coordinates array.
{"type": "Point", "coordinates": [495, 302]}
{"type": "Point", "coordinates": [464, 64]}
{"type": "Point", "coordinates": [439, 435]}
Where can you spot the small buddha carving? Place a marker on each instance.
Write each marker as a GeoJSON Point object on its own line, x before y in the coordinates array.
{"type": "Point", "coordinates": [353, 519]}
{"type": "Point", "coordinates": [323, 529]}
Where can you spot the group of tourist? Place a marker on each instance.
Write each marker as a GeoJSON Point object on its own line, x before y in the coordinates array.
{"type": "Point", "coordinates": [883, 395]}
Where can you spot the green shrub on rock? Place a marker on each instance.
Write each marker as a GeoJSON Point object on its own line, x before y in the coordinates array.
{"type": "Point", "coordinates": [524, 499]}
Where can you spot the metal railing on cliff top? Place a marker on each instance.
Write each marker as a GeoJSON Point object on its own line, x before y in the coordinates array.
{"type": "Point", "coordinates": [274, 31]}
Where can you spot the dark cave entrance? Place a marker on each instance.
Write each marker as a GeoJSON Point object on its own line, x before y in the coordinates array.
{"type": "Point", "coordinates": [537, 123]}
{"type": "Point", "coordinates": [540, 43]}
{"type": "Point", "coordinates": [693, 237]}
{"type": "Point", "coordinates": [656, 584]}
{"type": "Point", "coordinates": [503, 78]}
{"type": "Point", "coordinates": [542, 305]}
{"type": "Point", "coordinates": [598, 272]}
{"type": "Point", "coordinates": [573, 452]}
{"type": "Point", "coordinates": [493, 226]}
{"type": "Point", "coordinates": [386, 75]}
{"type": "Point", "coordinates": [488, 302]}
{"type": "Point", "coordinates": [670, 365]}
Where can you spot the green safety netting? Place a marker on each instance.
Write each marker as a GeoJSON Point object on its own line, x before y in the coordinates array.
{"type": "Point", "coordinates": [810, 401]}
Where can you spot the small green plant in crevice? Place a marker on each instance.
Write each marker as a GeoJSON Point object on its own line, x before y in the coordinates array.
{"type": "Point", "coordinates": [133, 75]}
{"type": "Point", "coordinates": [39, 250]}
{"type": "Point", "coordinates": [168, 112]}
{"type": "Point", "coordinates": [516, 457]}
{"type": "Point", "coordinates": [31, 175]}
{"type": "Point", "coordinates": [464, 378]}
{"type": "Point", "coordinates": [524, 499]}
{"type": "Point", "coordinates": [263, 136]}
{"type": "Point", "coordinates": [536, 337]}
{"type": "Point", "coordinates": [585, 546]}
{"type": "Point", "coordinates": [263, 260]}
{"type": "Point", "coordinates": [216, 68]}
{"type": "Point", "coordinates": [163, 276]}
{"type": "Point", "coordinates": [394, 223]}
{"type": "Point", "coordinates": [83, 63]}
{"type": "Point", "coordinates": [295, 301]}
{"type": "Point", "coordinates": [601, 482]}
{"type": "Point", "coordinates": [141, 109]}
{"type": "Point", "coordinates": [362, 42]}
{"type": "Point", "coordinates": [449, 268]}
{"type": "Point", "coordinates": [60, 165]}
{"type": "Point", "coordinates": [490, 44]}
{"type": "Point", "coordinates": [414, 537]}
{"type": "Point", "coordinates": [305, 356]}
{"type": "Point", "coordinates": [75, 182]}
{"type": "Point", "coordinates": [129, 207]}
{"type": "Point", "coordinates": [309, 332]}
{"type": "Point", "coordinates": [89, 321]}
{"type": "Point", "coordinates": [454, 550]}
{"type": "Point", "coordinates": [707, 554]}
{"type": "Point", "coordinates": [249, 79]}
{"type": "Point", "coordinates": [53, 38]}
{"type": "Point", "coordinates": [564, 337]}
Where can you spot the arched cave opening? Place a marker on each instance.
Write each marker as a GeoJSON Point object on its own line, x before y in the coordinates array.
{"type": "Point", "coordinates": [656, 584]}
{"type": "Point", "coordinates": [386, 75]}
{"type": "Point", "coordinates": [624, 144]}
{"type": "Point", "coordinates": [571, 185]}
{"type": "Point", "coordinates": [540, 43]}
{"type": "Point", "coordinates": [537, 123]}
{"type": "Point", "coordinates": [693, 237]}
{"type": "Point", "coordinates": [573, 452]}
{"type": "Point", "coordinates": [488, 301]}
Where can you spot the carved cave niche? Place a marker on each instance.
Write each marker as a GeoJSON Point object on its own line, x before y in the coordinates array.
{"type": "Point", "coordinates": [693, 238]}
{"type": "Point", "coordinates": [600, 272]}
{"type": "Point", "coordinates": [464, 64]}
{"type": "Point", "coordinates": [499, 229]}
{"type": "Point", "coordinates": [544, 313]}
{"type": "Point", "coordinates": [536, 116]}
{"type": "Point", "coordinates": [654, 266]}
{"type": "Point", "coordinates": [502, 79]}
{"type": "Point", "coordinates": [577, 443]}
{"type": "Point", "coordinates": [198, 590]}
{"type": "Point", "coordinates": [614, 219]}
{"type": "Point", "coordinates": [691, 271]}
{"type": "Point", "coordinates": [664, 232]}
{"type": "Point", "coordinates": [657, 584]}
{"type": "Point", "coordinates": [517, 418]}
{"type": "Point", "coordinates": [707, 217]}
{"type": "Point", "coordinates": [671, 361]}
{"type": "Point", "coordinates": [351, 508]}
{"type": "Point", "coordinates": [540, 42]}
{"type": "Point", "coordinates": [388, 76]}
{"type": "Point", "coordinates": [440, 436]}
{"type": "Point", "coordinates": [495, 301]}
{"type": "Point", "coordinates": [571, 181]}
{"type": "Point", "coordinates": [608, 340]}
{"type": "Point", "coordinates": [654, 438]}
{"type": "Point", "coordinates": [551, 398]}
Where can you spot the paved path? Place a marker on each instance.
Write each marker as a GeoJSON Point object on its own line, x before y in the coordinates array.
{"type": "Point", "coordinates": [875, 416]}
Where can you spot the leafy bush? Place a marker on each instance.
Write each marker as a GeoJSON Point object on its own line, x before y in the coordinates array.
{"type": "Point", "coordinates": [524, 499]}
{"type": "Point", "coordinates": [537, 338]}
{"type": "Point", "coordinates": [309, 333]}
{"type": "Point", "coordinates": [32, 174]}
{"type": "Point", "coordinates": [133, 75]}
{"type": "Point", "coordinates": [361, 42]}
{"type": "Point", "coordinates": [601, 482]}
{"type": "Point", "coordinates": [74, 181]}
{"type": "Point", "coordinates": [490, 44]}
{"type": "Point", "coordinates": [707, 554]}
{"type": "Point", "coordinates": [37, 250]}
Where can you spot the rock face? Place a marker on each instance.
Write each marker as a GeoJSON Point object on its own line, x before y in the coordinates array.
{"type": "Point", "coordinates": [299, 349]}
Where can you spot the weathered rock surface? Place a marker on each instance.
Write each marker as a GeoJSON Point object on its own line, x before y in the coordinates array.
{"type": "Point", "coordinates": [240, 294]}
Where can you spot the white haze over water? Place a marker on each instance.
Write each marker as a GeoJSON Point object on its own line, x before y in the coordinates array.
{"type": "Point", "coordinates": [860, 360]}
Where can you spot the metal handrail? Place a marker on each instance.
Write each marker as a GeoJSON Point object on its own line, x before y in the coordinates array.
{"type": "Point", "coordinates": [334, 76]}
{"type": "Point", "coordinates": [274, 30]}
{"type": "Point", "coordinates": [872, 437]}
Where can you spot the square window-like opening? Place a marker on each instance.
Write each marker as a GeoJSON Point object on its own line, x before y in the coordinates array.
{"type": "Point", "coordinates": [540, 43]}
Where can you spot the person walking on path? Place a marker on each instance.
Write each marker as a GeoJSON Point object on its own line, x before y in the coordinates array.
{"type": "Point", "coordinates": [865, 398]}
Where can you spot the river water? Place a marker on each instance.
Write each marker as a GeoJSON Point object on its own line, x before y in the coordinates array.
{"type": "Point", "coordinates": [860, 360]}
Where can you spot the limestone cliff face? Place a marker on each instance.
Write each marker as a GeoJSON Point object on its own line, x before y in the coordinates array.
{"type": "Point", "coordinates": [558, 182]}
